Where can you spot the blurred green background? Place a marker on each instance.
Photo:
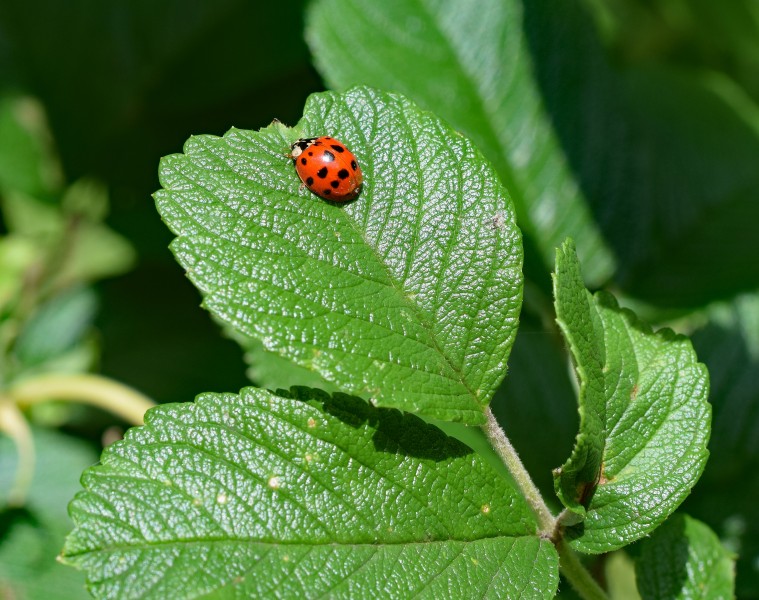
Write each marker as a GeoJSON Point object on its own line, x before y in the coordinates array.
{"type": "Point", "coordinates": [124, 83]}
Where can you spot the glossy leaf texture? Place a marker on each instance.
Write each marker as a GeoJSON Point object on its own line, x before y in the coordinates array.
{"type": "Point", "coordinates": [684, 559]}
{"type": "Point", "coordinates": [470, 63]}
{"type": "Point", "coordinates": [259, 495]}
{"type": "Point", "coordinates": [650, 169]}
{"type": "Point", "coordinates": [644, 417]}
{"type": "Point", "coordinates": [410, 294]}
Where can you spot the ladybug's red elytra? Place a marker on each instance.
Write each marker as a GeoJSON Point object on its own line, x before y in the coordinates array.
{"type": "Point", "coordinates": [327, 168]}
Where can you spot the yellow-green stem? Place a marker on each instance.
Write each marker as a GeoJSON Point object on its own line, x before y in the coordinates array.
{"type": "Point", "coordinates": [13, 423]}
{"type": "Point", "coordinates": [95, 390]}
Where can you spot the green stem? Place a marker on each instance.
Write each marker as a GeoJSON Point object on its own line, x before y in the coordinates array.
{"type": "Point", "coordinates": [571, 567]}
{"type": "Point", "coordinates": [13, 424]}
{"type": "Point", "coordinates": [501, 444]}
{"type": "Point", "coordinates": [95, 390]}
{"type": "Point", "coordinates": [577, 575]}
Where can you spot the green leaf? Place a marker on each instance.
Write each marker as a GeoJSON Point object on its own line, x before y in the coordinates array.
{"type": "Point", "coordinates": [261, 495]}
{"type": "Point", "coordinates": [644, 417]}
{"type": "Point", "coordinates": [725, 497]}
{"type": "Point", "coordinates": [56, 327]}
{"type": "Point", "coordinates": [684, 559]}
{"type": "Point", "coordinates": [28, 164]}
{"type": "Point", "coordinates": [410, 294]}
{"type": "Point", "coordinates": [479, 75]}
{"type": "Point", "coordinates": [583, 329]}
{"type": "Point", "coordinates": [272, 371]}
{"type": "Point", "coordinates": [85, 248]}
{"type": "Point", "coordinates": [651, 169]}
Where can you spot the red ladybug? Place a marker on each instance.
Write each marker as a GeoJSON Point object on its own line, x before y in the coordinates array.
{"type": "Point", "coordinates": [327, 168]}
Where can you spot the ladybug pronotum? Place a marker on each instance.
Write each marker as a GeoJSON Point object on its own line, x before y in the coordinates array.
{"type": "Point", "coordinates": [327, 168]}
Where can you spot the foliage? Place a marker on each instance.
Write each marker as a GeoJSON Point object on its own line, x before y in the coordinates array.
{"type": "Point", "coordinates": [541, 182]}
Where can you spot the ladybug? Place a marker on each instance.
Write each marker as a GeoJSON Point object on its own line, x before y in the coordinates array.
{"type": "Point", "coordinates": [327, 168]}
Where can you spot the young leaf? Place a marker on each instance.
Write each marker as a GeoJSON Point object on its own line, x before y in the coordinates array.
{"type": "Point", "coordinates": [684, 559]}
{"type": "Point", "coordinates": [260, 495]}
{"type": "Point", "coordinates": [644, 417]}
{"type": "Point", "coordinates": [410, 294]}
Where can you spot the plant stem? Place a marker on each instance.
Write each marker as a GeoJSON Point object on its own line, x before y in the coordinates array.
{"type": "Point", "coordinates": [571, 567]}
{"type": "Point", "coordinates": [501, 444]}
{"type": "Point", "coordinates": [95, 390]}
{"type": "Point", "coordinates": [12, 423]}
{"type": "Point", "coordinates": [577, 575]}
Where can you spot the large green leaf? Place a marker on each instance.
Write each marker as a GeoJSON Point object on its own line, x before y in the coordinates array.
{"type": "Point", "coordinates": [644, 417]}
{"type": "Point", "coordinates": [684, 560]}
{"type": "Point", "coordinates": [470, 63]}
{"type": "Point", "coordinates": [410, 294]}
{"type": "Point", "coordinates": [261, 495]}
{"type": "Point", "coordinates": [651, 169]}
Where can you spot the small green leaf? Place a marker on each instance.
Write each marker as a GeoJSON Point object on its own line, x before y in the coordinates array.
{"type": "Point", "coordinates": [56, 327]}
{"type": "Point", "coordinates": [684, 559]}
{"type": "Point", "coordinates": [581, 325]}
{"type": "Point", "coordinates": [410, 294]}
{"type": "Point", "coordinates": [28, 164]}
{"type": "Point", "coordinates": [644, 417]}
{"type": "Point", "coordinates": [260, 495]}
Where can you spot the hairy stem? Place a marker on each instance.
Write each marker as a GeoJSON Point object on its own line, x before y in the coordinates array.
{"type": "Point", "coordinates": [501, 444]}
{"type": "Point", "coordinates": [95, 390]}
{"type": "Point", "coordinates": [571, 567]}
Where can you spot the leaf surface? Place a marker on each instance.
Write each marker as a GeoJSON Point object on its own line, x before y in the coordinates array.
{"type": "Point", "coordinates": [644, 417]}
{"type": "Point", "coordinates": [259, 495]}
{"type": "Point", "coordinates": [409, 294]}
{"type": "Point", "coordinates": [684, 559]}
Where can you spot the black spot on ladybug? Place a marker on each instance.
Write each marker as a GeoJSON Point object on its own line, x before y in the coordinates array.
{"type": "Point", "coordinates": [328, 156]}
{"type": "Point", "coordinates": [309, 181]}
{"type": "Point", "coordinates": [354, 166]}
{"type": "Point", "coordinates": [334, 183]}
{"type": "Point", "coordinates": [327, 192]}
{"type": "Point", "coordinates": [317, 143]}
{"type": "Point", "coordinates": [322, 173]}
{"type": "Point", "coordinates": [303, 161]}
{"type": "Point", "coordinates": [343, 174]}
{"type": "Point", "coordinates": [310, 153]}
{"type": "Point", "coordinates": [337, 148]}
